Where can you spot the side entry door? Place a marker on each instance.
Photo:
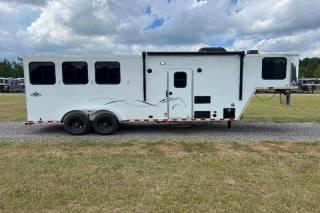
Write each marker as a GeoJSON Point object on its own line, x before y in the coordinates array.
{"type": "Point", "coordinates": [179, 93]}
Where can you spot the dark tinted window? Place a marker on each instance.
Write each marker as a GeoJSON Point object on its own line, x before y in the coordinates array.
{"type": "Point", "coordinates": [274, 68]}
{"type": "Point", "coordinates": [108, 73]}
{"type": "Point", "coordinates": [75, 72]}
{"type": "Point", "coordinates": [180, 80]}
{"type": "Point", "coordinates": [42, 73]}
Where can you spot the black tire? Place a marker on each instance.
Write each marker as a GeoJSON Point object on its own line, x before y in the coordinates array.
{"type": "Point", "coordinates": [105, 124]}
{"type": "Point", "coordinates": [77, 123]}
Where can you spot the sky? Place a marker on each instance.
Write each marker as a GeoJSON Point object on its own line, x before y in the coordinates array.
{"type": "Point", "coordinates": [133, 26]}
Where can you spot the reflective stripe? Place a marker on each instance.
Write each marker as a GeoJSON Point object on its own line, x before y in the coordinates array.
{"type": "Point", "coordinates": [180, 120]}
{"type": "Point", "coordinates": [41, 122]}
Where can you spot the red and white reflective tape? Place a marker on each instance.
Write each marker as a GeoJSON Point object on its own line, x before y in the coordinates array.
{"type": "Point", "coordinates": [148, 120]}
{"type": "Point", "coordinates": [180, 120]}
{"type": "Point", "coordinates": [41, 122]}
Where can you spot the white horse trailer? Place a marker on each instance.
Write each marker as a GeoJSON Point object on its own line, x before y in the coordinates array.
{"type": "Point", "coordinates": [103, 91]}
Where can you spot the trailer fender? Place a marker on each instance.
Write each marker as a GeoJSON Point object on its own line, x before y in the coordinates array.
{"type": "Point", "coordinates": [73, 111]}
{"type": "Point", "coordinates": [95, 114]}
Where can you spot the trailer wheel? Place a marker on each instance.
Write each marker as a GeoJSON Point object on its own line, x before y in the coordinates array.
{"type": "Point", "coordinates": [77, 123]}
{"type": "Point", "coordinates": [105, 124]}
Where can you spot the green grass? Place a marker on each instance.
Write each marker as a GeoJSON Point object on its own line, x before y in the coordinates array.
{"type": "Point", "coordinates": [304, 108]}
{"type": "Point", "coordinates": [168, 177]}
{"type": "Point", "coordinates": [12, 107]}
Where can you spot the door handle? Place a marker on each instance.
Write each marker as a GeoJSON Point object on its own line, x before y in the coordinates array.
{"type": "Point", "coordinates": [168, 93]}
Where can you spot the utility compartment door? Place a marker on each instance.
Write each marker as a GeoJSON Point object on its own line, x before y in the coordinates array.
{"type": "Point", "coordinates": [179, 93]}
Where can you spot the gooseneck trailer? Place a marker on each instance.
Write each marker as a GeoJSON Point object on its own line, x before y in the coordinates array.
{"type": "Point", "coordinates": [104, 91]}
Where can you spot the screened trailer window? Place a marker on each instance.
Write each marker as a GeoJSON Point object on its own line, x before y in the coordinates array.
{"type": "Point", "coordinates": [107, 72]}
{"type": "Point", "coordinates": [75, 73]}
{"type": "Point", "coordinates": [274, 68]}
{"type": "Point", "coordinates": [180, 80]}
{"type": "Point", "coordinates": [42, 73]}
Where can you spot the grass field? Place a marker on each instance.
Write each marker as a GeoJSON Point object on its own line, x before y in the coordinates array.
{"type": "Point", "coordinates": [303, 109]}
{"type": "Point", "coordinates": [12, 107]}
{"type": "Point", "coordinates": [160, 176]}
{"type": "Point", "coordinates": [88, 176]}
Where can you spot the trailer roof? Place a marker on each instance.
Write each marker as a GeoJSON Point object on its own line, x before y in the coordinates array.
{"type": "Point", "coordinates": [194, 53]}
{"type": "Point", "coordinates": [159, 53]}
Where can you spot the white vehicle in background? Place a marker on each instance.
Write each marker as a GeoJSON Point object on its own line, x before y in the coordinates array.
{"type": "Point", "coordinates": [21, 84]}
{"type": "Point", "coordinates": [308, 84]}
{"type": "Point", "coordinates": [2, 84]}
{"type": "Point", "coordinates": [11, 85]}
{"type": "Point", "coordinates": [101, 92]}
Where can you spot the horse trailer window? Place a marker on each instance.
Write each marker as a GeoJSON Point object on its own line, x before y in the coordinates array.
{"type": "Point", "coordinates": [274, 68]}
{"type": "Point", "coordinates": [75, 73]}
{"type": "Point", "coordinates": [107, 72]}
{"type": "Point", "coordinates": [42, 73]}
{"type": "Point", "coordinates": [180, 80]}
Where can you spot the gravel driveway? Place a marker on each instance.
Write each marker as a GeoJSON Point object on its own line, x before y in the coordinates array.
{"type": "Point", "coordinates": [255, 132]}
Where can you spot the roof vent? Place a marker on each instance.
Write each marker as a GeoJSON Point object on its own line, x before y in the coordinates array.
{"type": "Point", "coordinates": [252, 52]}
{"type": "Point", "coordinates": [212, 49]}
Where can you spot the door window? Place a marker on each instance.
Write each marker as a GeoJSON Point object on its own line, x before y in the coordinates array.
{"type": "Point", "coordinates": [180, 80]}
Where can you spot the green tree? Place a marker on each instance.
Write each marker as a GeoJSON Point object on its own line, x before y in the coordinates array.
{"type": "Point", "coordinates": [11, 68]}
{"type": "Point", "coordinates": [309, 68]}
{"type": "Point", "coordinates": [17, 69]}
{"type": "Point", "coordinates": [317, 72]}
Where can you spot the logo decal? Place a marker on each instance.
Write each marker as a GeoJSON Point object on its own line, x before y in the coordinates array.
{"type": "Point", "coordinates": [35, 94]}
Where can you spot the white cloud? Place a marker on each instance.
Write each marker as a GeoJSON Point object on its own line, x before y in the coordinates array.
{"type": "Point", "coordinates": [276, 16]}
{"type": "Point", "coordinates": [26, 2]}
{"type": "Point", "coordinates": [7, 9]}
{"type": "Point", "coordinates": [307, 43]}
{"type": "Point", "coordinates": [117, 26]}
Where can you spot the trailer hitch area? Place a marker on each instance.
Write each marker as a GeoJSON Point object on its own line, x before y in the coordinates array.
{"type": "Point", "coordinates": [286, 97]}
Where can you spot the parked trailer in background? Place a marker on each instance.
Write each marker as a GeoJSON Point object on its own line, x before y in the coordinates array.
{"type": "Point", "coordinates": [308, 84]}
{"type": "Point", "coordinates": [2, 84]}
{"type": "Point", "coordinates": [11, 85]}
{"type": "Point", "coordinates": [103, 91]}
{"type": "Point", "coordinates": [21, 84]}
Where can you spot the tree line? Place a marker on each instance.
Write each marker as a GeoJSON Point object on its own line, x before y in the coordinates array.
{"type": "Point", "coordinates": [309, 68]}
{"type": "Point", "coordinates": [11, 69]}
